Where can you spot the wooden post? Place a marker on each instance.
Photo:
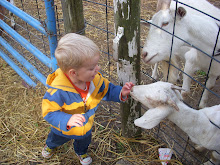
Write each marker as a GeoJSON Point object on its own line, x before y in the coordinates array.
{"type": "Point", "coordinates": [73, 16]}
{"type": "Point", "coordinates": [127, 49]}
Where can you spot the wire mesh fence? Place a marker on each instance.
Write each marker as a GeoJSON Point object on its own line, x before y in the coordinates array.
{"type": "Point", "coordinates": [99, 18]}
{"type": "Point", "coordinates": [29, 33]}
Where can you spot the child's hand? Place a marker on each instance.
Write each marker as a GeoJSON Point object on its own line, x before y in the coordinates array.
{"type": "Point", "coordinates": [126, 89]}
{"type": "Point", "coordinates": [76, 120]}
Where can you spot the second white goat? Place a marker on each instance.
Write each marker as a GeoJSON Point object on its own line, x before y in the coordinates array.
{"type": "Point", "coordinates": [191, 26]}
{"type": "Point", "coordinates": [164, 101]}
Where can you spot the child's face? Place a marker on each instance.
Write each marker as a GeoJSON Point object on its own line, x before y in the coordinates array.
{"type": "Point", "coordinates": [89, 70]}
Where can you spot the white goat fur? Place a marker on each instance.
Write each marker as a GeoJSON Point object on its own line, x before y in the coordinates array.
{"type": "Point", "coordinates": [195, 28]}
{"type": "Point", "coordinates": [165, 102]}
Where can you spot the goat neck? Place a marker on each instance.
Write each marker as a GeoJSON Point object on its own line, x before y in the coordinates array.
{"type": "Point", "coordinates": [188, 119]}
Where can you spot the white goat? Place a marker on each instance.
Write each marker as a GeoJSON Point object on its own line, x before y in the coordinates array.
{"type": "Point", "coordinates": [192, 26]}
{"type": "Point", "coordinates": [165, 101]}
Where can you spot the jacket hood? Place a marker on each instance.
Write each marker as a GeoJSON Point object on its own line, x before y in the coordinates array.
{"type": "Point", "coordinates": [58, 80]}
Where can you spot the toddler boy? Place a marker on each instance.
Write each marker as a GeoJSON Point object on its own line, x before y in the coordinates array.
{"type": "Point", "coordinates": [74, 92]}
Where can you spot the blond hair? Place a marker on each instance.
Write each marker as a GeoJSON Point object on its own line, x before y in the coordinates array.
{"type": "Point", "coordinates": [73, 50]}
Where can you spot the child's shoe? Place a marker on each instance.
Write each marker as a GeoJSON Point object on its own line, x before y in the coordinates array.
{"type": "Point", "coordinates": [85, 159]}
{"type": "Point", "coordinates": [47, 152]}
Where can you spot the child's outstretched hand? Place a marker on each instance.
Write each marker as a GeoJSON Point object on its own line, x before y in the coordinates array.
{"type": "Point", "coordinates": [76, 120]}
{"type": "Point", "coordinates": [126, 89]}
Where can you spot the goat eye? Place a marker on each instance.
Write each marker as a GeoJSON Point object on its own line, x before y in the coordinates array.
{"type": "Point", "coordinates": [165, 24]}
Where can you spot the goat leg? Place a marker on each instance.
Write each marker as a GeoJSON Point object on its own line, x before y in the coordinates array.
{"type": "Point", "coordinates": [210, 83]}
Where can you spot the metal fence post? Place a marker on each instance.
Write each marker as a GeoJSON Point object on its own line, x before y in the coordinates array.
{"type": "Point", "coordinates": [51, 30]}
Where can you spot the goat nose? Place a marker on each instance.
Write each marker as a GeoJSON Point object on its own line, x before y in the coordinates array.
{"type": "Point", "coordinates": [144, 54]}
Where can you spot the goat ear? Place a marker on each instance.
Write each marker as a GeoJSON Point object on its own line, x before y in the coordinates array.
{"type": "Point", "coordinates": [163, 5]}
{"type": "Point", "coordinates": [181, 12]}
{"type": "Point", "coordinates": [152, 117]}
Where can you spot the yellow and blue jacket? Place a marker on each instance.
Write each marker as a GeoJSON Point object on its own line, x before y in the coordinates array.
{"type": "Point", "coordinates": [61, 101]}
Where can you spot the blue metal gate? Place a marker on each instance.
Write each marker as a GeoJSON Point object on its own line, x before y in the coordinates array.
{"type": "Point", "coordinates": [18, 60]}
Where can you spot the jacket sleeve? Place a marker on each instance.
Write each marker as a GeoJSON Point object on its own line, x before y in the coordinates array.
{"type": "Point", "coordinates": [51, 105]}
{"type": "Point", "coordinates": [113, 94]}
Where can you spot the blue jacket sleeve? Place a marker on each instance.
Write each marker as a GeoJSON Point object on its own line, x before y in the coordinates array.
{"type": "Point", "coordinates": [51, 106]}
{"type": "Point", "coordinates": [58, 119]}
{"type": "Point", "coordinates": [113, 93]}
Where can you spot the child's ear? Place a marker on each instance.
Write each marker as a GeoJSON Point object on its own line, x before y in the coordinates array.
{"type": "Point", "coordinates": [72, 72]}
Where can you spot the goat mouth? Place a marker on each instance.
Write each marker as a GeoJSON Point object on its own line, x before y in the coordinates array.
{"type": "Point", "coordinates": [148, 61]}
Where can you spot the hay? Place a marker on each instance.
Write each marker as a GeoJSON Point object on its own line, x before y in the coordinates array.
{"type": "Point", "coordinates": [23, 130]}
